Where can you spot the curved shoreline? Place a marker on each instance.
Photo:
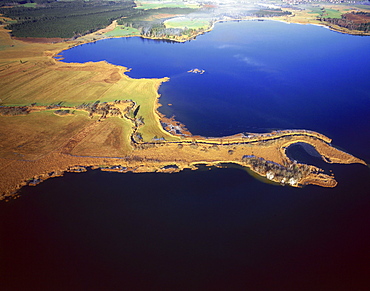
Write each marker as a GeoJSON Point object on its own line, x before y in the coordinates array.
{"type": "Point", "coordinates": [262, 153]}
{"type": "Point", "coordinates": [188, 153]}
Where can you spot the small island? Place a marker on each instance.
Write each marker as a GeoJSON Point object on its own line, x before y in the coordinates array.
{"type": "Point", "coordinates": [197, 71]}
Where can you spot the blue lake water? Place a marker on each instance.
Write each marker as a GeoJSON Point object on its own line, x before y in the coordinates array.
{"type": "Point", "coordinates": [259, 76]}
{"type": "Point", "coordinates": [217, 229]}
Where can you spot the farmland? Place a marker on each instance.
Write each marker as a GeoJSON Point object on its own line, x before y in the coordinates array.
{"type": "Point", "coordinates": [121, 30]}
{"type": "Point", "coordinates": [163, 4]}
{"type": "Point", "coordinates": [185, 22]}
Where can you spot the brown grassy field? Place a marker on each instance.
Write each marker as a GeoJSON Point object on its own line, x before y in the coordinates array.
{"type": "Point", "coordinates": [109, 138]}
{"type": "Point", "coordinates": [35, 135]}
{"type": "Point", "coordinates": [29, 74]}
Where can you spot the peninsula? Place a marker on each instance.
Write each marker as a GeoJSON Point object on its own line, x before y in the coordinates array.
{"type": "Point", "coordinates": [57, 117]}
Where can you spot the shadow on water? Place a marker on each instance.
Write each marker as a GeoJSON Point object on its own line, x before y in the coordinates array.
{"type": "Point", "coordinates": [213, 229]}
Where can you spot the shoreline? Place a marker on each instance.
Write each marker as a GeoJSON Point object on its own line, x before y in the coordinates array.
{"type": "Point", "coordinates": [188, 154]}
{"type": "Point", "coordinates": [263, 154]}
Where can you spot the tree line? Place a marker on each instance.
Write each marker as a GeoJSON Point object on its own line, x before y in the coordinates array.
{"type": "Point", "coordinates": [347, 22]}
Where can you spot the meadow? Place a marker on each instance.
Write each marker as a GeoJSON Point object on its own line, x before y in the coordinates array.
{"type": "Point", "coordinates": [121, 30]}
{"type": "Point", "coordinates": [332, 13]}
{"type": "Point", "coordinates": [37, 134]}
{"type": "Point", "coordinates": [182, 22]}
{"type": "Point", "coordinates": [157, 5]}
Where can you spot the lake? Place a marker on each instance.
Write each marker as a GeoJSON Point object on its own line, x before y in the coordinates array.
{"type": "Point", "coordinates": [259, 76]}
{"type": "Point", "coordinates": [213, 229]}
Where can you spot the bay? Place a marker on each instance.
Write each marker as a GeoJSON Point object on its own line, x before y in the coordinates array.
{"type": "Point", "coordinates": [212, 229]}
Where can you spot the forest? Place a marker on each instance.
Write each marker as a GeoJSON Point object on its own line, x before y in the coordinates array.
{"type": "Point", "coordinates": [353, 21]}
{"type": "Point", "coordinates": [72, 19]}
{"type": "Point", "coordinates": [65, 19]}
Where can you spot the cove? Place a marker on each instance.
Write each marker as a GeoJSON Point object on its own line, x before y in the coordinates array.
{"type": "Point", "coordinates": [259, 76]}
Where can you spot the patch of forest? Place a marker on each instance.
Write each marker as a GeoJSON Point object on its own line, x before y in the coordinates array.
{"type": "Point", "coordinates": [66, 19]}
{"type": "Point", "coordinates": [51, 19]}
{"type": "Point", "coordinates": [353, 21]}
{"type": "Point", "coordinates": [270, 12]}
{"type": "Point", "coordinates": [149, 26]}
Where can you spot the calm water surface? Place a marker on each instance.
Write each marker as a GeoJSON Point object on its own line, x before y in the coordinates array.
{"type": "Point", "coordinates": [217, 229]}
{"type": "Point", "coordinates": [259, 76]}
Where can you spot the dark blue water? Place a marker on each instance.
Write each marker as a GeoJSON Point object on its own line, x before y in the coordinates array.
{"type": "Point", "coordinates": [217, 229]}
{"type": "Point", "coordinates": [195, 230]}
{"type": "Point", "coordinates": [259, 76]}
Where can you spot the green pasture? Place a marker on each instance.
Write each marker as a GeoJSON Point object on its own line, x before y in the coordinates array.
{"type": "Point", "coordinates": [122, 30]}
{"type": "Point", "coordinates": [29, 5]}
{"type": "Point", "coordinates": [316, 10]}
{"type": "Point", "coordinates": [332, 13]}
{"type": "Point", "coordinates": [189, 23]}
{"type": "Point", "coordinates": [325, 13]}
{"type": "Point", "coordinates": [151, 5]}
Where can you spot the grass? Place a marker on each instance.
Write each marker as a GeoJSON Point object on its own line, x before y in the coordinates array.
{"type": "Point", "coordinates": [110, 138]}
{"type": "Point", "coordinates": [29, 5]}
{"type": "Point", "coordinates": [121, 30]}
{"type": "Point", "coordinates": [182, 22]}
{"type": "Point", "coordinates": [332, 13]}
{"type": "Point", "coordinates": [158, 5]}
{"type": "Point", "coordinates": [34, 135]}
{"type": "Point", "coordinates": [315, 10]}
{"type": "Point", "coordinates": [46, 82]}
{"type": "Point", "coordinates": [146, 96]}
{"type": "Point", "coordinates": [28, 76]}
{"type": "Point", "coordinates": [326, 12]}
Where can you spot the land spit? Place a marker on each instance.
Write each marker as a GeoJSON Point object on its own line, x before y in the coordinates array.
{"type": "Point", "coordinates": [265, 154]}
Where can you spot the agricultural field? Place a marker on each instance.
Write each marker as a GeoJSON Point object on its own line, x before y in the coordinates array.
{"type": "Point", "coordinates": [112, 135]}
{"type": "Point", "coordinates": [323, 12]}
{"type": "Point", "coordinates": [182, 22]}
{"type": "Point", "coordinates": [331, 13]}
{"type": "Point", "coordinates": [29, 5]}
{"type": "Point", "coordinates": [121, 31]}
{"type": "Point", "coordinates": [315, 10]}
{"type": "Point", "coordinates": [36, 134]}
{"type": "Point", "coordinates": [164, 4]}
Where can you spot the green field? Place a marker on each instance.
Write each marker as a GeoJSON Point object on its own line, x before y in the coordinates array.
{"type": "Point", "coordinates": [332, 13]}
{"type": "Point", "coordinates": [185, 22]}
{"type": "Point", "coordinates": [158, 5]}
{"type": "Point", "coordinates": [315, 10]}
{"type": "Point", "coordinates": [121, 30]}
{"type": "Point", "coordinates": [325, 13]}
{"type": "Point", "coordinates": [29, 5]}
